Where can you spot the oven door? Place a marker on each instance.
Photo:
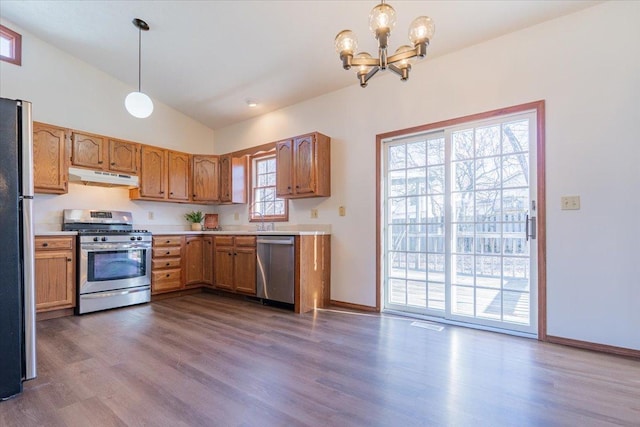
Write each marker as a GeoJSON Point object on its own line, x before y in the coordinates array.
{"type": "Point", "coordinates": [109, 266]}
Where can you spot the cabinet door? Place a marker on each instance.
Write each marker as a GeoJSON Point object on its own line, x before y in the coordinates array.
{"type": "Point", "coordinates": [224, 267]}
{"type": "Point", "coordinates": [178, 176]}
{"type": "Point", "coordinates": [225, 179]}
{"type": "Point", "coordinates": [54, 272]}
{"type": "Point", "coordinates": [207, 260]}
{"type": "Point", "coordinates": [245, 270]}
{"type": "Point", "coordinates": [87, 150]}
{"type": "Point", "coordinates": [152, 172]}
{"type": "Point", "coordinates": [304, 171]}
{"type": "Point", "coordinates": [194, 260]}
{"type": "Point", "coordinates": [206, 181]}
{"type": "Point", "coordinates": [123, 156]}
{"type": "Point", "coordinates": [284, 169]}
{"type": "Point", "coordinates": [49, 159]}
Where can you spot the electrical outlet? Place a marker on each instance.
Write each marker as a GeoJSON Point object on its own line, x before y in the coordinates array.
{"type": "Point", "coordinates": [342, 211]}
{"type": "Point", "coordinates": [314, 213]}
{"type": "Point", "coordinates": [236, 216]}
{"type": "Point", "coordinates": [150, 214]}
{"type": "Point", "coordinates": [570, 203]}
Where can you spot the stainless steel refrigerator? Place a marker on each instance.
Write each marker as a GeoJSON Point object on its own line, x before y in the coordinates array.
{"type": "Point", "coordinates": [17, 286]}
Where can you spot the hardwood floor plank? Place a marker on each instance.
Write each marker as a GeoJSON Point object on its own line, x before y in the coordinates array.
{"type": "Point", "coordinates": [209, 360]}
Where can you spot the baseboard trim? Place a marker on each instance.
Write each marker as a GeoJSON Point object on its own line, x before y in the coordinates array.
{"type": "Point", "coordinates": [54, 314]}
{"type": "Point", "coordinates": [602, 348]}
{"type": "Point", "coordinates": [351, 306]}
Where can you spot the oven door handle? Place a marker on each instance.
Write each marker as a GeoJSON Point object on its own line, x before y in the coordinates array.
{"type": "Point", "coordinates": [112, 247]}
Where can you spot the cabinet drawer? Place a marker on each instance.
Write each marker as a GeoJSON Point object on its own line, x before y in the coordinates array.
{"type": "Point", "coordinates": [168, 252]}
{"type": "Point", "coordinates": [46, 243]}
{"type": "Point", "coordinates": [245, 240]}
{"type": "Point", "coordinates": [162, 276]}
{"type": "Point", "coordinates": [224, 240]}
{"type": "Point", "coordinates": [161, 263]}
{"type": "Point", "coordinates": [167, 240]}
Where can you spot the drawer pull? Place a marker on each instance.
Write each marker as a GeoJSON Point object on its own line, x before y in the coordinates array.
{"type": "Point", "coordinates": [168, 274]}
{"type": "Point", "coordinates": [168, 264]}
{"type": "Point", "coordinates": [167, 253]}
{"type": "Point", "coordinates": [45, 244]}
{"type": "Point", "coordinates": [168, 241]}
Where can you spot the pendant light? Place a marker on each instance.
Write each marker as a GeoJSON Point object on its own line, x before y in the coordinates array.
{"type": "Point", "coordinates": [137, 103]}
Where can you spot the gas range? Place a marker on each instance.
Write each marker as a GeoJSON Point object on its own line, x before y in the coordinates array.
{"type": "Point", "coordinates": [114, 260]}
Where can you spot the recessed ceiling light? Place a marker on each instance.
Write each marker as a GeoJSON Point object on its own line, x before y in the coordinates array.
{"type": "Point", "coordinates": [252, 103]}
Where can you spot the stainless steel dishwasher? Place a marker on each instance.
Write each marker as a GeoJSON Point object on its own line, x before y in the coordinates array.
{"type": "Point", "coordinates": [276, 264]}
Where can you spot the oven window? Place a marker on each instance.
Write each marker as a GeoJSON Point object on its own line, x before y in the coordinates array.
{"type": "Point", "coordinates": [115, 265]}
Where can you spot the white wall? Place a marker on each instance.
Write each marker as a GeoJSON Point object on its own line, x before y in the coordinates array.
{"type": "Point", "coordinates": [68, 92]}
{"type": "Point", "coordinates": [587, 67]}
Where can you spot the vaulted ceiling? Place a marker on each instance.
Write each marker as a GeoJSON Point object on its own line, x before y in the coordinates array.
{"type": "Point", "coordinates": [206, 58]}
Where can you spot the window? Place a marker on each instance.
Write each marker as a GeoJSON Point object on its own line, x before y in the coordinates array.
{"type": "Point", "coordinates": [265, 206]}
{"type": "Point", "coordinates": [10, 46]}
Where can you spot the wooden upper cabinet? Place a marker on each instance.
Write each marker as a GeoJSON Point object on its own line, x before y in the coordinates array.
{"type": "Point", "coordinates": [178, 175]}
{"type": "Point", "coordinates": [123, 156]}
{"type": "Point", "coordinates": [87, 150]}
{"type": "Point", "coordinates": [153, 173]}
{"type": "Point", "coordinates": [50, 159]}
{"type": "Point", "coordinates": [284, 172]}
{"type": "Point", "coordinates": [304, 167]}
{"type": "Point", "coordinates": [233, 179]}
{"type": "Point", "coordinates": [206, 179]}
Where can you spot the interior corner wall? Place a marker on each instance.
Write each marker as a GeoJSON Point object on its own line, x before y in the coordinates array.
{"type": "Point", "coordinates": [70, 93]}
{"type": "Point", "coordinates": [586, 67]}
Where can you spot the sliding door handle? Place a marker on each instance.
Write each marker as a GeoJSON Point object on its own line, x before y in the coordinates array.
{"type": "Point", "coordinates": [531, 235]}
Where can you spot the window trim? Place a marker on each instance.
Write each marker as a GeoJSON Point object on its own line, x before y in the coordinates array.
{"type": "Point", "coordinates": [252, 180]}
{"type": "Point", "coordinates": [16, 45]}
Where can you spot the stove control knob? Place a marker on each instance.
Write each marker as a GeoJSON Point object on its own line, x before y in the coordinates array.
{"type": "Point", "coordinates": [139, 237]}
{"type": "Point", "coordinates": [104, 239]}
{"type": "Point", "coordinates": [95, 239]}
{"type": "Point", "coordinates": [132, 238]}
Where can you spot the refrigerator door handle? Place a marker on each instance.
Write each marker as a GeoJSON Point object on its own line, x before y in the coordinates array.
{"type": "Point", "coordinates": [28, 243]}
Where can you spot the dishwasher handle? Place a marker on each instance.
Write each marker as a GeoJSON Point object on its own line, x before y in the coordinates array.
{"type": "Point", "coordinates": [276, 241]}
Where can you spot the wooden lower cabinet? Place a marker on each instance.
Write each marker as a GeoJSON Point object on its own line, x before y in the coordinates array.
{"type": "Point", "coordinates": [207, 260]}
{"type": "Point", "coordinates": [235, 264]}
{"type": "Point", "coordinates": [166, 269]}
{"type": "Point", "coordinates": [55, 273]}
{"type": "Point", "coordinates": [193, 266]}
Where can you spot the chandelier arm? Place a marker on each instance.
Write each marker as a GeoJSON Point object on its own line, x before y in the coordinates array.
{"type": "Point", "coordinates": [364, 78]}
{"type": "Point", "coordinates": [372, 62]}
{"type": "Point", "coordinates": [402, 56]}
{"type": "Point", "coordinates": [402, 72]}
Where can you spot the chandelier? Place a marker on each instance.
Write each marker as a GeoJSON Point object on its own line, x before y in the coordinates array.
{"type": "Point", "coordinates": [382, 20]}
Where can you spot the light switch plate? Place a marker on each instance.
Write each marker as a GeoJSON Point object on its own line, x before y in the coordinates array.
{"type": "Point", "coordinates": [236, 216]}
{"type": "Point", "coordinates": [570, 203]}
{"type": "Point", "coordinates": [342, 211]}
{"type": "Point", "coordinates": [314, 213]}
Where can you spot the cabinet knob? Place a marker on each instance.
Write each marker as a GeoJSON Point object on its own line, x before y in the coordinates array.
{"type": "Point", "coordinates": [229, 254]}
{"type": "Point", "coordinates": [69, 259]}
{"type": "Point", "coordinates": [167, 253]}
{"type": "Point", "coordinates": [188, 243]}
{"type": "Point", "coordinates": [113, 163]}
{"type": "Point", "coordinates": [100, 162]}
{"type": "Point", "coordinates": [297, 186]}
{"type": "Point", "coordinates": [45, 244]}
{"type": "Point", "coordinates": [195, 195]}
{"type": "Point", "coordinates": [162, 192]}
{"type": "Point", "coordinates": [168, 264]}
{"type": "Point", "coordinates": [168, 274]}
{"type": "Point", "coordinates": [171, 193]}
{"type": "Point", "coordinates": [235, 254]}
{"type": "Point", "coordinates": [168, 241]}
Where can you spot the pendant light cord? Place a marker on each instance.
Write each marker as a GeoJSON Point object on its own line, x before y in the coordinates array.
{"type": "Point", "coordinates": [139, 58]}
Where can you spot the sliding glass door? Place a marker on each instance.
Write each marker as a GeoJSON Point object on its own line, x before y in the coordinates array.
{"type": "Point", "coordinates": [459, 223]}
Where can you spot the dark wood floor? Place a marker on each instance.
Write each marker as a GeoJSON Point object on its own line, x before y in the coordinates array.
{"type": "Point", "coordinates": [207, 360]}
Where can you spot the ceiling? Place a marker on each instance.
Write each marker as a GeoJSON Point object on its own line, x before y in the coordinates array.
{"type": "Point", "coordinates": [206, 58]}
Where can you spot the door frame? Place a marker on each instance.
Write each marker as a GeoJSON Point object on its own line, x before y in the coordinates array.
{"type": "Point", "coordinates": [539, 108]}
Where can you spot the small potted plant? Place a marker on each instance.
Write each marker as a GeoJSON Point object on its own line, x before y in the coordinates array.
{"type": "Point", "coordinates": [195, 218]}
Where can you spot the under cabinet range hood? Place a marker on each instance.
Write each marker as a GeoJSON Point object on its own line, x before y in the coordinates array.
{"type": "Point", "coordinates": [102, 178]}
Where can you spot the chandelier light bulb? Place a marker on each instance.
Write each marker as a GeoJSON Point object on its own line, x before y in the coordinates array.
{"type": "Point", "coordinates": [138, 105]}
{"type": "Point", "coordinates": [346, 42]}
{"type": "Point", "coordinates": [363, 69]}
{"type": "Point", "coordinates": [382, 16]}
{"type": "Point", "coordinates": [404, 62]}
{"type": "Point", "coordinates": [421, 30]}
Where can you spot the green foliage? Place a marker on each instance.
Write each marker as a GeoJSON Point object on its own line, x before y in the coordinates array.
{"type": "Point", "coordinates": [194, 216]}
